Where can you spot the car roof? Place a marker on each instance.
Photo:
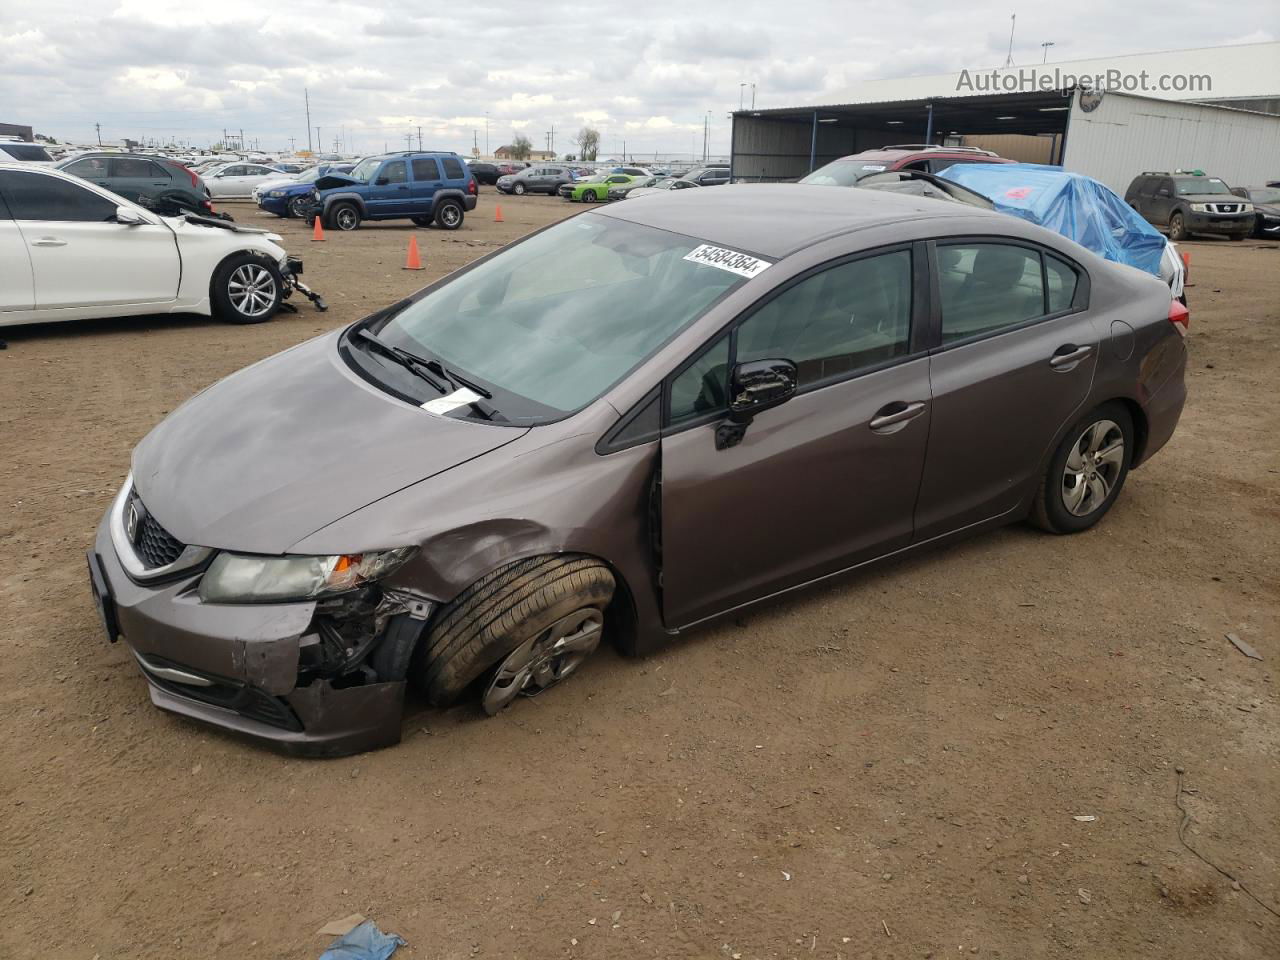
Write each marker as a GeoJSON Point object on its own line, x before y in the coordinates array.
{"type": "Point", "coordinates": [777, 219]}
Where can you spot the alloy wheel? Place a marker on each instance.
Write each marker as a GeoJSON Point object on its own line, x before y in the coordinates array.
{"type": "Point", "coordinates": [450, 215]}
{"type": "Point", "coordinates": [1093, 467]}
{"type": "Point", "coordinates": [346, 219]}
{"type": "Point", "coordinates": [252, 289]}
{"type": "Point", "coordinates": [544, 659]}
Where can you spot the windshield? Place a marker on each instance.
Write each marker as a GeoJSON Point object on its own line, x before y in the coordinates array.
{"type": "Point", "coordinates": [1193, 186]}
{"type": "Point", "coordinates": [844, 173]}
{"type": "Point", "coordinates": [551, 323]}
{"type": "Point", "coordinates": [365, 169]}
{"type": "Point", "coordinates": [1264, 196]}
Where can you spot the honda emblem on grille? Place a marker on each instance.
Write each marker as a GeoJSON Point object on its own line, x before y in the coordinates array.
{"type": "Point", "coordinates": [133, 523]}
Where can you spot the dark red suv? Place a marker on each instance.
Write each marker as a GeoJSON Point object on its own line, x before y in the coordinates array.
{"type": "Point", "coordinates": [847, 171]}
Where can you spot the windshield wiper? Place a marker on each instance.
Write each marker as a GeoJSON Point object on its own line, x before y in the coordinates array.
{"type": "Point", "coordinates": [420, 367]}
{"type": "Point", "coordinates": [414, 364]}
{"type": "Point", "coordinates": [457, 379]}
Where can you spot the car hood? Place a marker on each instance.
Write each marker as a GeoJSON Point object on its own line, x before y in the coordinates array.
{"type": "Point", "coordinates": [331, 180]}
{"type": "Point", "coordinates": [1210, 198]}
{"type": "Point", "coordinates": [289, 445]}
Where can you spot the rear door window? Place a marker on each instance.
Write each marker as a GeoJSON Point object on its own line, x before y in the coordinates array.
{"type": "Point", "coordinates": [424, 168]}
{"type": "Point", "coordinates": [34, 196]}
{"type": "Point", "coordinates": [452, 168]}
{"type": "Point", "coordinates": [987, 287]}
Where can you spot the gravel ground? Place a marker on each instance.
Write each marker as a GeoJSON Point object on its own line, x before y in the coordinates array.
{"type": "Point", "coordinates": [891, 766]}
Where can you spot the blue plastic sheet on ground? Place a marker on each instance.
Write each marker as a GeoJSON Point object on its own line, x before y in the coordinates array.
{"type": "Point", "coordinates": [1078, 207]}
{"type": "Point", "coordinates": [365, 942]}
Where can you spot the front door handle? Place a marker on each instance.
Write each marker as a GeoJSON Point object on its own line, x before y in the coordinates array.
{"type": "Point", "coordinates": [892, 417]}
{"type": "Point", "coordinates": [1068, 355]}
{"type": "Point", "coordinates": [48, 242]}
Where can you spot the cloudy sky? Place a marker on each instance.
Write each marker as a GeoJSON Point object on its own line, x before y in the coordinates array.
{"type": "Point", "coordinates": [376, 71]}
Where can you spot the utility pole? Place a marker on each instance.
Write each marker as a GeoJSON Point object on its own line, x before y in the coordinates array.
{"type": "Point", "coordinates": [1047, 44]}
{"type": "Point", "coordinates": [1013, 23]}
{"type": "Point", "coordinates": [419, 139]}
{"type": "Point", "coordinates": [306, 97]}
{"type": "Point", "coordinates": [486, 133]}
{"type": "Point", "coordinates": [319, 142]}
{"type": "Point", "coordinates": [408, 141]}
{"type": "Point", "coordinates": [292, 149]}
{"type": "Point", "coordinates": [98, 128]}
{"type": "Point", "coordinates": [242, 139]}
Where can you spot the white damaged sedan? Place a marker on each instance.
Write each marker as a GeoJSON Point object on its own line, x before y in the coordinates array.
{"type": "Point", "coordinates": [70, 250]}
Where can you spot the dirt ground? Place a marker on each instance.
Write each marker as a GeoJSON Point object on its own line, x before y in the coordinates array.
{"type": "Point", "coordinates": [889, 767]}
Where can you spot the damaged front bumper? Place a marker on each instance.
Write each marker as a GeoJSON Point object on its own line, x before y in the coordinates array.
{"type": "Point", "coordinates": [298, 675]}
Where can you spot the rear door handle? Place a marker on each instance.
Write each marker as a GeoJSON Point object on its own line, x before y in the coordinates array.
{"type": "Point", "coordinates": [1068, 355]}
{"type": "Point", "coordinates": [892, 417]}
{"type": "Point", "coordinates": [48, 242]}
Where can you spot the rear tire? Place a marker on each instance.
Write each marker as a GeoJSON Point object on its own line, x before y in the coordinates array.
{"type": "Point", "coordinates": [449, 215]}
{"type": "Point", "coordinates": [502, 612]}
{"type": "Point", "coordinates": [246, 288]}
{"type": "Point", "coordinates": [1087, 471]}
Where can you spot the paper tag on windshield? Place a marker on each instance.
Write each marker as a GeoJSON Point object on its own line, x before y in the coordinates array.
{"type": "Point", "coordinates": [874, 167]}
{"type": "Point", "coordinates": [744, 265]}
{"type": "Point", "coordinates": [459, 398]}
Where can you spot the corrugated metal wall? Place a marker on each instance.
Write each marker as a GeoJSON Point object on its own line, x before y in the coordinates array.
{"type": "Point", "coordinates": [1127, 135]}
{"type": "Point", "coordinates": [767, 148]}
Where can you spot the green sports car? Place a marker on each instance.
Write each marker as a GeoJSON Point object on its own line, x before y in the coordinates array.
{"type": "Point", "coordinates": [595, 188]}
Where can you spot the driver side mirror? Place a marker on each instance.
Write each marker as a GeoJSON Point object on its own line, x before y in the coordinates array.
{"type": "Point", "coordinates": [1163, 192]}
{"type": "Point", "coordinates": [760, 385]}
{"type": "Point", "coordinates": [755, 386]}
{"type": "Point", "coordinates": [128, 217]}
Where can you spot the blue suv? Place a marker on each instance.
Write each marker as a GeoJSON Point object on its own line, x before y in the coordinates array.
{"type": "Point", "coordinates": [424, 187]}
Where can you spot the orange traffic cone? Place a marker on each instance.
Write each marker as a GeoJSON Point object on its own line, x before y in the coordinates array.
{"type": "Point", "coordinates": [1186, 263]}
{"type": "Point", "coordinates": [318, 232]}
{"type": "Point", "coordinates": [497, 213]}
{"type": "Point", "coordinates": [413, 262]}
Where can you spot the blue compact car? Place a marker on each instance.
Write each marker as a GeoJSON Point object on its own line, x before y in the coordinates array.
{"type": "Point", "coordinates": [296, 199]}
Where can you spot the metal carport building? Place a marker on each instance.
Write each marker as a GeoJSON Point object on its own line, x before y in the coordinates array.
{"type": "Point", "coordinates": [1112, 137]}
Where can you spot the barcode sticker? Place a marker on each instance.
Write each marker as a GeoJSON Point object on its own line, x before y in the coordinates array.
{"type": "Point", "coordinates": [743, 264]}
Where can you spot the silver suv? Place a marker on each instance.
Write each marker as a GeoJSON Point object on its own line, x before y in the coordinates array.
{"type": "Point", "coordinates": [545, 178]}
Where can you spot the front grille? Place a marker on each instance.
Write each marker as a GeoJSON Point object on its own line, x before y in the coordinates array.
{"type": "Point", "coordinates": [1224, 207]}
{"type": "Point", "coordinates": [245, 700]}
{"type": "Point", "coordinates": [155, 546]}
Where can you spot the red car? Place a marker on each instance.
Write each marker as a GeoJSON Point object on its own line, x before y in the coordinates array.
{"type": "Point", "coordinates": [847, 171]}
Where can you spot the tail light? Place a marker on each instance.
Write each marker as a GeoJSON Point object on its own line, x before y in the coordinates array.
{"type": "Point", "coordinates": [1179, 316]}
{"type": "Point", "coordinates": [195, 180]}
{"type": "Point", "coordinates": [472, 187]}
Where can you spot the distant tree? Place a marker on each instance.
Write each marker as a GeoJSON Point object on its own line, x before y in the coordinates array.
{"type": "Point", "coordinates": [588, 141]}
{"type": "Point", "coordinates": [521, 147]}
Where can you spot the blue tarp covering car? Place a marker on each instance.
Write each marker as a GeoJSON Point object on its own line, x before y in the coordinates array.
{"type": "Point", "coordinates": [1071, 204]}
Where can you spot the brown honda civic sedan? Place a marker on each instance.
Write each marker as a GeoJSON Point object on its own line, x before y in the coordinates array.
{"type": "Point", "coordinates": [622, 426]}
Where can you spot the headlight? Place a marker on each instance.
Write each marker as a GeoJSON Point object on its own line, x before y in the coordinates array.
{"type": "Point", "coordinates": [1246, 208]}
{"type": "Point", "coordinates": [1199, 208]}
{"type": "Point", "coordinates": [276, 193]}
{"type": "Point", "coordinates": [242, 578]}
{"type": "Point", "coordinates": [315, 194]}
